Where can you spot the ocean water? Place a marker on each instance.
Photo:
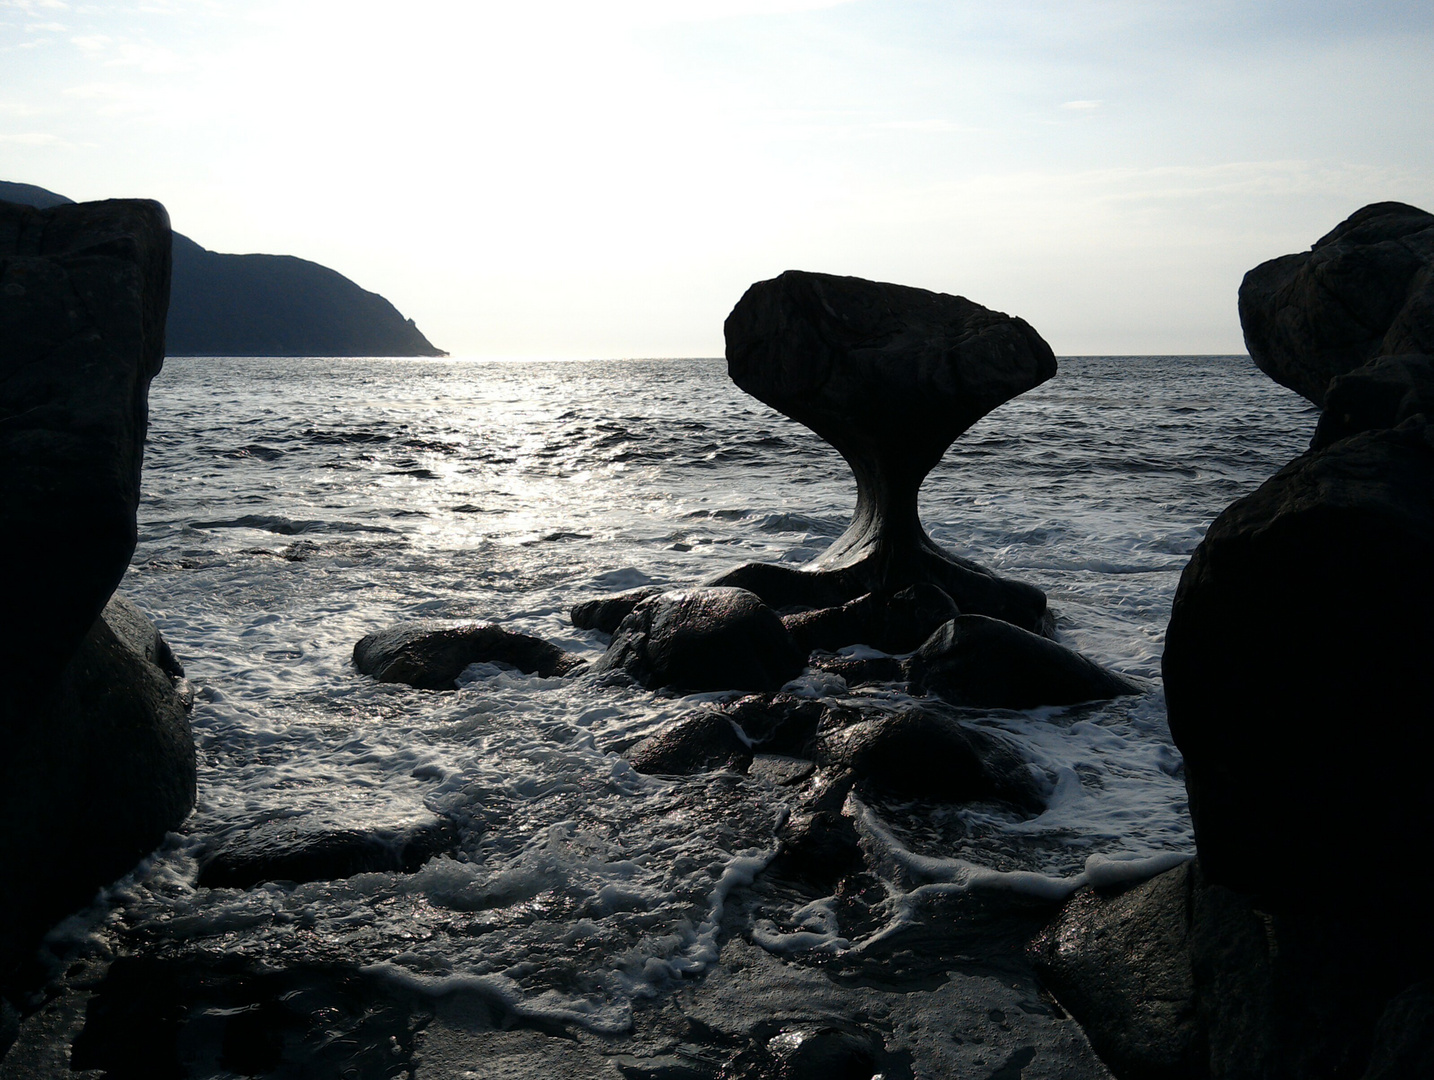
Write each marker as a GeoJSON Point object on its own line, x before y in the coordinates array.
{"type": "Point", "coordinates": [293, 505]}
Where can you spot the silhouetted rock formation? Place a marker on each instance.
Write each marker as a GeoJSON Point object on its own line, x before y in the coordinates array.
{"type": "Point", "coordinates": [1381, 394]}
{"type": "Point", "coordinates": [266, 305]}
{"type": "Point", "coordinates": [1366, 289]}
{"type": "Point", "coordinates": [987, 663]}
{"type": "Point", "coordinates": [1303, 610]}
{"type": "Point", "coordinates": [703, 639]}
{"type": "Point", "coordinates": [431, 655]}
{"type": "Point", "coordinates": [890, 376]}
{"type": "Point", "coordinates": [895, 624]}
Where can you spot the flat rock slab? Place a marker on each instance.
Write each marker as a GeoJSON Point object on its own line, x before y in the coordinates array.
{"type": "Point", "coordinates": [431, 655]}
{"type": "Point", "coordinates": [1365, 289]}
{"type": "Point", "coordinates": [986, 663]}
{"type": "Point", "coordinates": [308, 848]}
{"type": "Point", "coordinates": [703, 639]}
{"type": "Point", "coordinates": [83, 293]}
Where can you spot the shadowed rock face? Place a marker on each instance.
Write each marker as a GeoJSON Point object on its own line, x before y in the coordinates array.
{"type": "Point", "coordinates": [431, 655]}
{"type": "Point", "coordinates": [890, 376]}
{"type": "Point", "coordinates": [1364, 290]}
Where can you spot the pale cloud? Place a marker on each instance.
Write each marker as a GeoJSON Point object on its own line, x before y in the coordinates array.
{"type": "Point", "coordinates": [91, 43]}
{"type": "Point", "coordinates": [33, 7]}
{"type": "Point", "coordinates": [1081, 105]}
{"type": "Point", "coordinates": [31, 138]}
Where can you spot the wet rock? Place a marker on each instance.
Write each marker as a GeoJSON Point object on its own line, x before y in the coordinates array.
{"type": "Point", "coordinates": [779, 723]}
{"type": "Point", "coordinates": [1121, 966]}
{"type": "Point", "coordinates": [1381, 394]}
{"type": "Point", "coordinates": [986, 663]}
{"type": "Point", "coordinates": [83, 293]}
{"type": "Point", "coordinates": [703, 639]}
{"type": "Point", "coordinates": [133, 627]}
{"type": "Point", "coordinates": [1304, 610]}
{"type": "Point", "coordinates": [890, 376]}
{"type": "Point", "coordinates": [308, 848]}
{"type": "Point", "coordinates": [859, 670]}
{"type": "Point", "coordinates": [93, 774]}
{"type": "Point", "coordinates": [819, 842]}
{"type": "Point", "coordinates": [781, 769]}
{"type": "Point", "coordinates": [1365, 289]}
{"type": "Point", "coordinates": [922, 754]}
{"type": "Point", "coordinates": [898, 623]}
{"type": "Point", "coordinates": [431, 655]}
{"type": "Point", "coordinates": [606, 613]}
{"type": "Point", "coordinates": [703, 742]}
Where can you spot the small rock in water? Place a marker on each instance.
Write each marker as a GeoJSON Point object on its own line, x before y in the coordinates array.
{"type": "Point", "coordinates": [702, 742]}
{"type": "Point", "coordinates": [606, 613]}
{"type": "Point", "coordinates": [985, 663]}
{"type": "Point", "coordinates": [431, 655]}
{"type": "Point", "coordinates": [859, 670]}
{"type": "Point", "coordinates": [703, 639]}
{"type": "Point", "coordinates": [308, 848]}
{"type": "Point", "coordinates": [897, 623]}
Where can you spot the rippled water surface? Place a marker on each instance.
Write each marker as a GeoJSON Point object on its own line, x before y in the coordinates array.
{"type": "Point", "coordinates": [292, 506]}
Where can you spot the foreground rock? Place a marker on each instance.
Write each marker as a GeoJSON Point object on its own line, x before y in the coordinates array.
{"type": "Point", "coordinates": [83, 294]}
{"type": "Point", "coordinates": [985, 663]}
{"type": "Point", "coordinates": [307, 848]}
{"type": "Point", "coordinates": [431, 655]}
{"type": "Point", "coordinates": [1366, 289]}
{"type": "Point", "coordinates": [703, 639]}
{"type": "Point", "coordinates": [1179, 978]}
{"type": "Point", "coordinates": [1298, 638]}
{"type": "Point", "coordinates": [93, 773]}
{"type": "Point", "coordinates": [703, 742]}
{"type": "Point", "coordinates": [897, 623]}
{"type": "Point", "coordinates": [890, 376]}
{"type": "Point", "coordinates": [1382, 394]}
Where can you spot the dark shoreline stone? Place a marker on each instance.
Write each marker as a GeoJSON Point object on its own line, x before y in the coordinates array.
{"type": "Point", "coordinates": [605, 614]}
{"type": "Point", "coordinates": [890, 376]}
{"type": "Point", "coordinates": [431, 655]}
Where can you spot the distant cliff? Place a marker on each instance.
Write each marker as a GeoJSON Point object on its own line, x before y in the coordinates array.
{"type": "Point", "coordinates": [266, 305]}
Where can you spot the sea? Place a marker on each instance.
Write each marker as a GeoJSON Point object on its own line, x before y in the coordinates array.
{"type": "Point", "coordinates": [292, 506]}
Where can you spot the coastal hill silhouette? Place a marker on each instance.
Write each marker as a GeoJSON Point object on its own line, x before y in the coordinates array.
{"type": "Point", "coordinates": [266, 305]}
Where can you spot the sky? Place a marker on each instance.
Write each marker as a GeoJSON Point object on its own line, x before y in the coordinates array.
{"type": "Point", "coordinates": [604, 179]}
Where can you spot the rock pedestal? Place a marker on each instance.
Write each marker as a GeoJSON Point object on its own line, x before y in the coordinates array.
{"type": "Point", "coordinates": [890, 376]}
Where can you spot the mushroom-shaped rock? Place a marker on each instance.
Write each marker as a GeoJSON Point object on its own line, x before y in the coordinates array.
{"type": "Point", "coordinates": [1382, 394]}
{"type": "Point", "coordinates": [704, 639]}
{"type": "Point", "coordinates": [706, 741]}
{"type": "Point", "coordinates": [895, 624]}
{"type": "Point", "coordinates": [986, 663]}
{"type": "Point", "coordinates": [1296, 675]}
{"type": "Point", "coordinates": [919, 753]}
{"type": "Point", "coordinates": [890, 376]}
{"type": "Point", "coordinates": [431, 655]}
{"type": "Point", "coordinates": [1364, 290]}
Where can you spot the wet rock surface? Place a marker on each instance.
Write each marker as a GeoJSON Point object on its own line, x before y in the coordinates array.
{"type": "Point", "coordinates": [309, 848]}
{"type": "Point", "coordinates": [1365, 289]}
{"type": "Point", "coordinates": [1305, 606]}
{"type": "Point", "coordinates": [606, 613]}
{"type": "Point", "coordinates": [987, 663]}
{"type": "Point", "coordinates": [83, 294]}
{"type": "Point", "coordinates": [703, 639]}
{"type": "Point", "coordinates": [898, 623]}
{"type": "Point", "coordinates": [702, 742]}
{"type": "Point", "coordinates": [431, 655]}
{"type": "Point", "coordinates": [890, 376]}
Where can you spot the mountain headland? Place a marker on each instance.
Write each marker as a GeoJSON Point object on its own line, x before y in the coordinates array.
{"type": "Point", "coordinates": [266, 305]}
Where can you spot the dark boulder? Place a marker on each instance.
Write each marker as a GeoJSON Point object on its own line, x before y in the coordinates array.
{"type": "Point", "coordinates": [83, 293]}
{"type": "Point", "coordinates": [1364, 290]}
{"type": "Point", "coordinates": [819, 841]}
{"type": "Point", "coordinates": [890, 376]}
{"type": "Point", "coordinates": [706, 741]}
{"type": "Point", "coordinates": [94, 772]}
{"type": "Point", "coordinates": [986, 663]}
{"type": "Point", "coordinates": [703, 639]}
{"type": "Point", "coordinates": [897, 623]}
{"type": "Point", "coordinates": [1382, 394]}
{"type": "Point", "coordinates": [781, 723]}
{"type": "Point", "coordinates": [431, 655]}
{"type": "Point", "coordinates": [859, 670]}
{"type": "Point", "coordinates": [607, 612]}
{"type": "Point", "coordinates": [1298, 639]}
{"type": "Point", "coordinates": [308, 848]}
{"type": "Point", "coordinates": [1404, 1036]}
{"type": "Point", "coordinates": [920, 753]}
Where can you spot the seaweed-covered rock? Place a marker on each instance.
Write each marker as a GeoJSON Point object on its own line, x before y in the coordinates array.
{"type": "Point", "coordinates": [890, 376]}
{"type": "Point", "coordinates": [920, 753]}
{"type": "Point", "coordinates": [986, 663]}
{"type": "Point", "coordinates": [607, 612]}
{"type": "Point", "coordinates": [1298, 639]}
{"type": "Point", "coordinates": [706, 741]}
{"type": "Point", "coordinates": [431, 655]}
{"type": "Point", "coordinates": [1382, 394]}
{"type": "Point", "coordinates": [897, 623]}
{"type": "Point", "coordinates": [83, 293]}
{"type": "Point", "coordinates": [703, 639]}
{"type": "Point", "coordinates": [1365, 289]}
{"type": "Point", "coordinates": [308, 848]}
